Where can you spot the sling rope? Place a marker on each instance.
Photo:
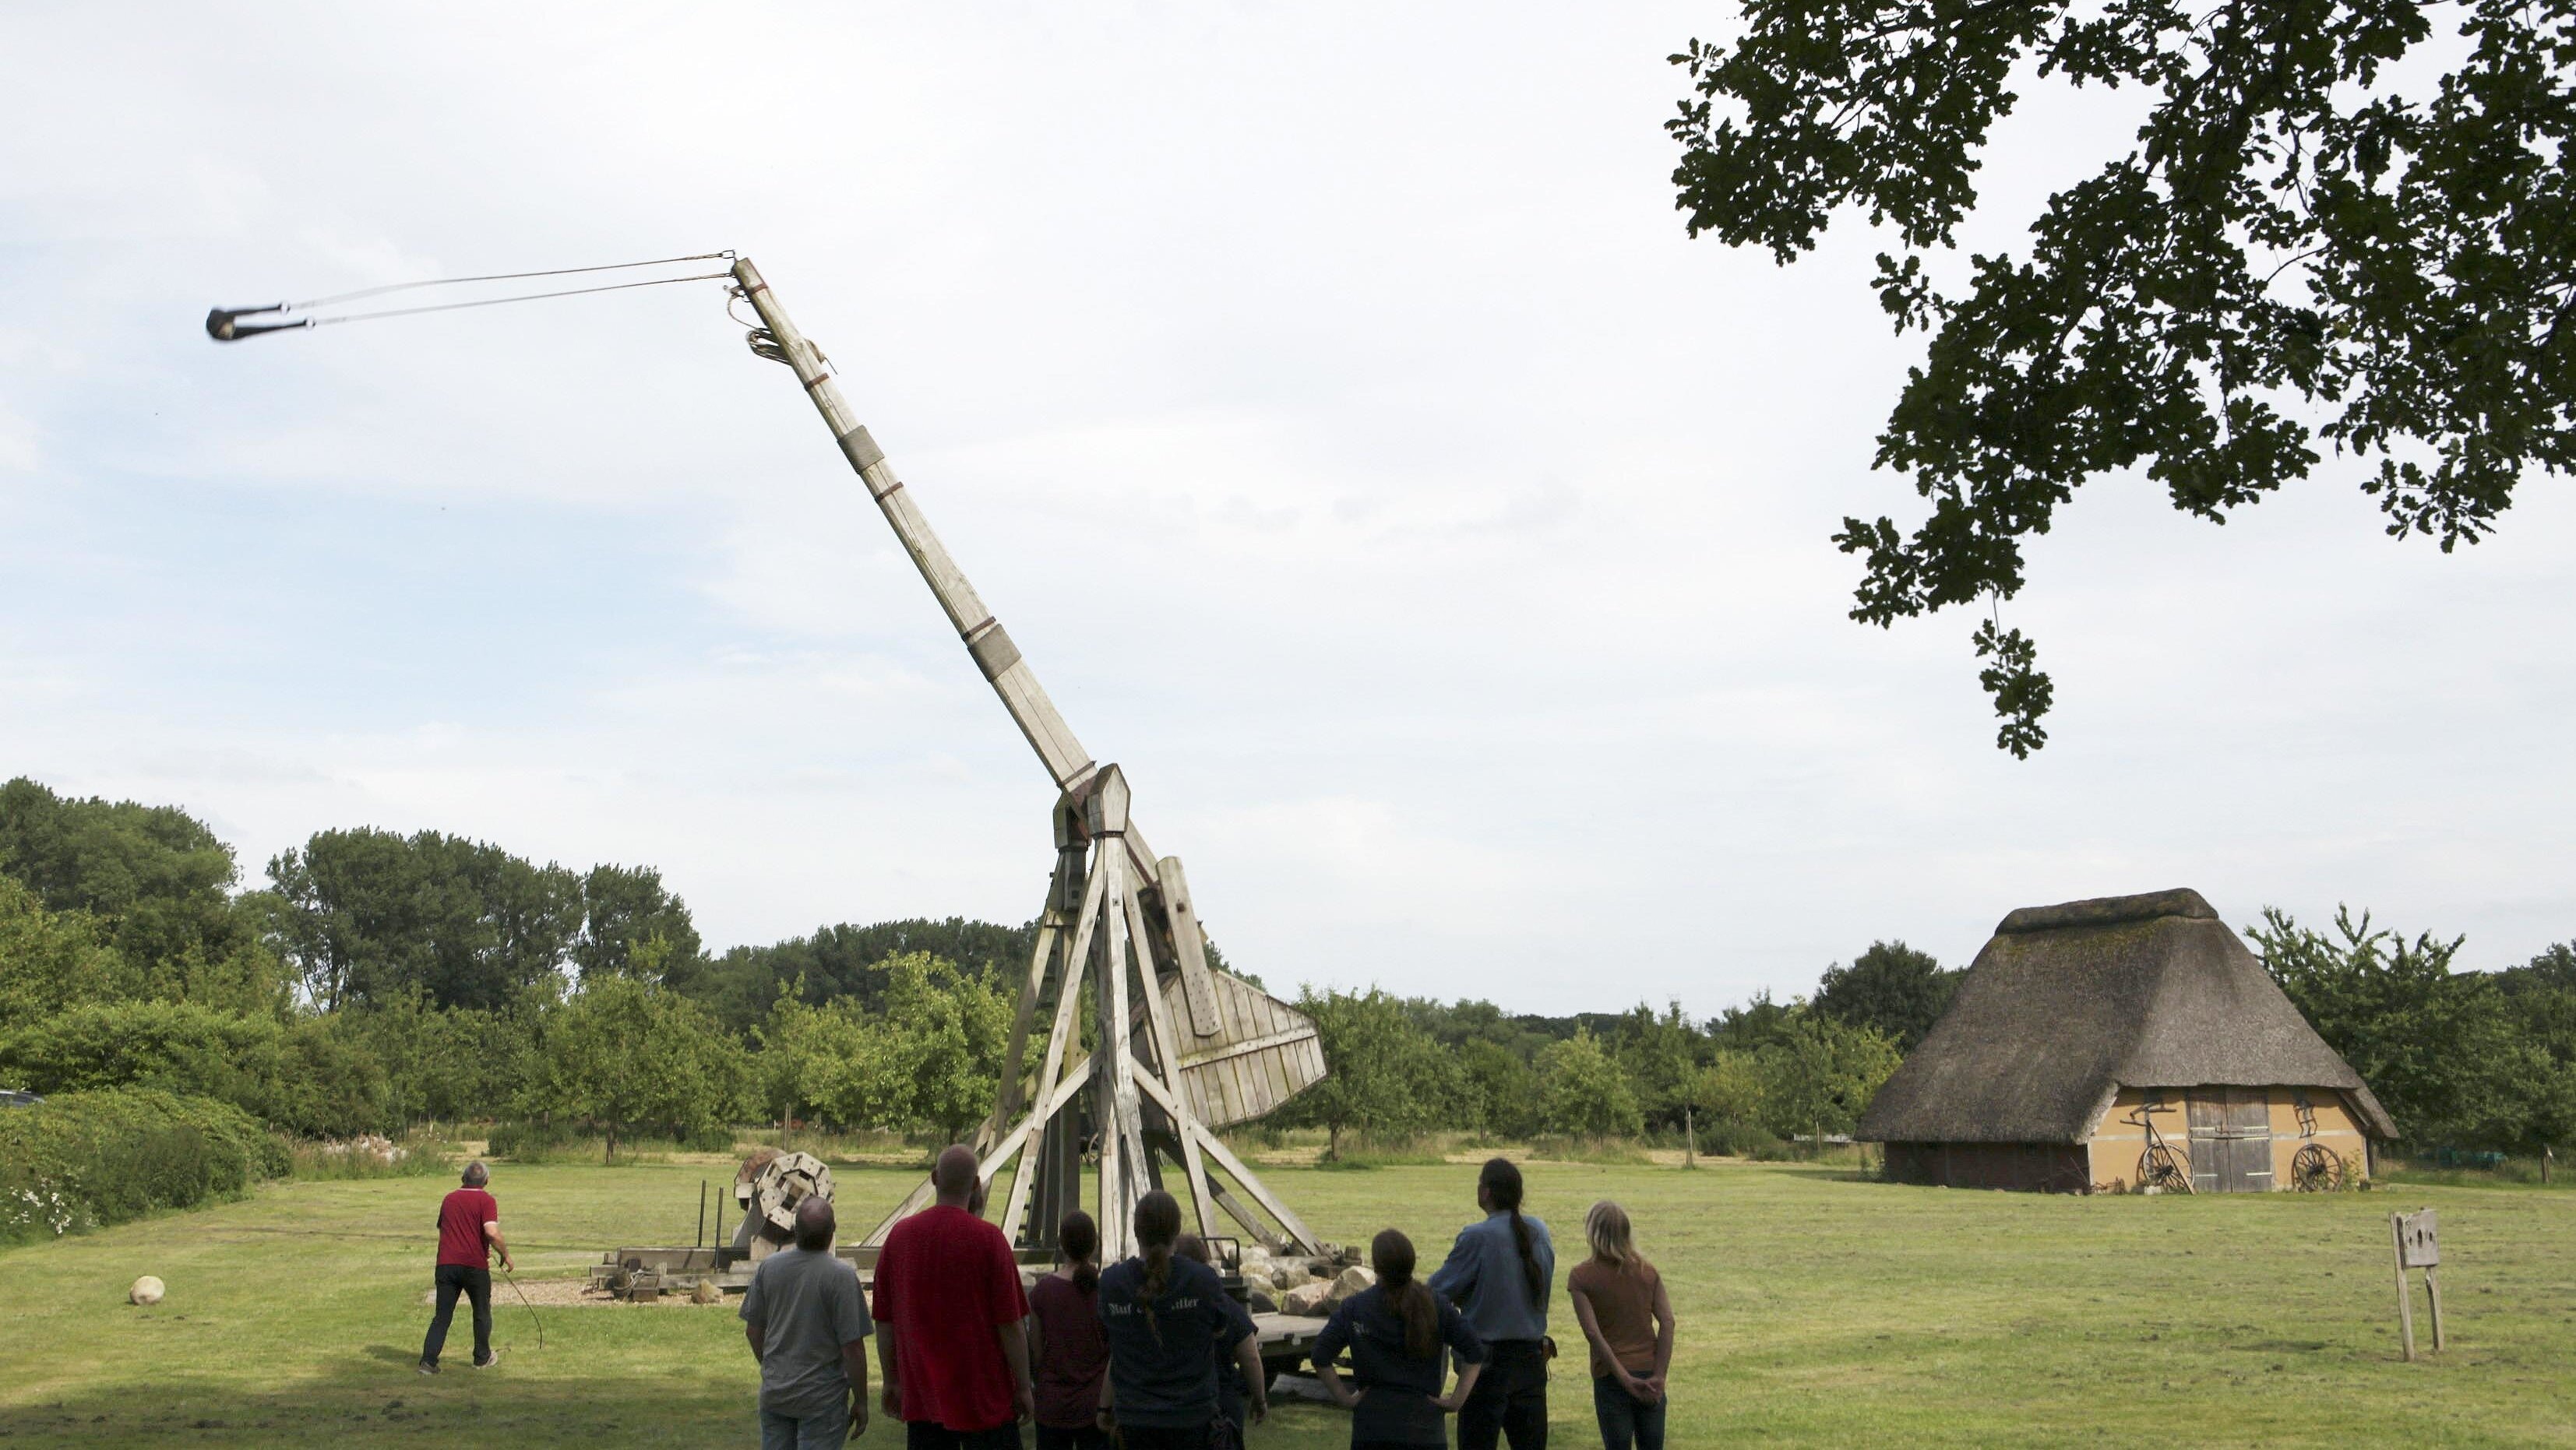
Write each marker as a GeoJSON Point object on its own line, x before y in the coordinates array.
{"type": "Point", "coordinates": [226, 324]}
{"type": "Point", "coordinates": [497, 301]}
{"type": "Point", "coordinates": [511, 277]}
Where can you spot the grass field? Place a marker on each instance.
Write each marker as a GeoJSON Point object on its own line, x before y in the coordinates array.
{"type": "Point", "coordinates": [1814, 1309]}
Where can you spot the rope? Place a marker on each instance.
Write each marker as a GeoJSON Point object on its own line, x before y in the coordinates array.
{"type": "Point", "coordinates": [497, 301]}
{"type": "Point", "coordinates": [531, 1308]}
{"type": "Point", "coordinates": [511, 277]}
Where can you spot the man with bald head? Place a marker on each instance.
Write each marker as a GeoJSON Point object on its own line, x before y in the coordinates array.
{"type": "Point", "coordinates": [948, 1310]}
{"type": "Point", "coordinates": [808, 1327]}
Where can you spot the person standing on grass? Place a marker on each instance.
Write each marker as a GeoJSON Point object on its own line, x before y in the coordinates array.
{"type": "Point", "coordinates": [1499, 1273]}
{"type": "Point", "coordinates": [948, 1309]}
{"type": "Point", "coordinates": [1619, 1300]}
{"type": "Point", "coordinates": [469, 1233]}
{"type": "Point", "coordinates": [1166, 1318]}
{"type": "Point", "coordinates": [1071, 1357]}
{"type": "Point", "coordinates": [1397, 1332]}
{"type": "Point", "coordinates": [808, 1327]}
{"type": "Point", "coordinates": [1229, 1376]}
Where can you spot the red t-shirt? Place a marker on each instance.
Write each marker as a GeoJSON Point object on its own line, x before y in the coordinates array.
{"type": "Point", "coordinates": [945, 1281]}
{"type": "Point", "coordinates": [461, 1216]}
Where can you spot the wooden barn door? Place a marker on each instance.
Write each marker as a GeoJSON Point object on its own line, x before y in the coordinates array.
{"type": "Point", "coordinates": [2231, 1140]}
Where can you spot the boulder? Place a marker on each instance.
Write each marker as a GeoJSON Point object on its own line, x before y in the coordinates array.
{"type": "Point", "coordinates": [1346, 1283]}
{"type": "Point", "coordinates": [146, 1290]}
{"type": "Point", "coordinates": [1306, 1299]}
{"type": "Point", "coordinates": [707, 1291]}
{"type": "Point", "coordinates": [1285, 1277]}
{"type": "Point", "coordinates": [1262, 1301]}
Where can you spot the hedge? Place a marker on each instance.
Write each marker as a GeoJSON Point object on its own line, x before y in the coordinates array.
{"type": "Point", "coordinates": [303, 1076]}
{"type": "Point", "coordinates": [89, 1159]}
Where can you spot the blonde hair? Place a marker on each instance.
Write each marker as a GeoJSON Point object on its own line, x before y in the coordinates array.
{"type": "Point", "coordinates": [1606, 1227]}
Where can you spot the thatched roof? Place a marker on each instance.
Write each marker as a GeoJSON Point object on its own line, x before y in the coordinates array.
{"type": "Point", "coordinates": [2069, 1003]}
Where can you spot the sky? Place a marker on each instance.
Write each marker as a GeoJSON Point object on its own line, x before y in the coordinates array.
{"type": "Point", "coordinates": [1326, 397]}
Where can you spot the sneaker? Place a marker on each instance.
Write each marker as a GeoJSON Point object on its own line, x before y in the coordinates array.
{"type": "Point", "coordinates": [488, 1363]}
{"type": "Point", "coordinates": [427, 1368]}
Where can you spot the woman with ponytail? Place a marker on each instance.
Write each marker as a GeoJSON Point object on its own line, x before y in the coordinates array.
{"type": "Point", "coordinates": [1619, 1300]}
{"type": "Point", "coordinates": [1165, 1318]}
{"type": "Point", "coordinates": [1066, 1348]}
{"type": "Point", "coordinates": [1499, 1273]}
{"type": "Point", "coordinates": [1396, 1330]}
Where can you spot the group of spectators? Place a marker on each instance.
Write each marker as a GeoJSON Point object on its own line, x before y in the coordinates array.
{"type": "Point", "coordinates": [1151, 1353]}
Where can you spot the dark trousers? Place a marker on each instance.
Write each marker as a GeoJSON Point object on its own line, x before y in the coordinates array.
{"type": "Point", "coordinates": [932, 1435]}
{"type": "Point", "coordinates": [1626, 1422]}
{"type": "Point", "coordinates": [1510, 1399]}
{"type": "Point", "coordinates": [1165, 1437]}
{"type": "Point", "coordinates": [476, 1285]}
{"type": "Point", "coordinates": [1081, 1437]}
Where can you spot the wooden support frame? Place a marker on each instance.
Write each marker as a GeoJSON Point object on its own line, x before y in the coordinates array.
{"type": "Point", "coordinates": [1100, 936]}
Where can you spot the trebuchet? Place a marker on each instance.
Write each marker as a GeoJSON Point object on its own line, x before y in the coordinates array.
{"type": "Point", "coordinates": [1187, 1049]}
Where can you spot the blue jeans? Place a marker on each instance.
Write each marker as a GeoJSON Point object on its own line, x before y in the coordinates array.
{"type": "Point", "coordinates": [825, 1431]}
{"type": "Point", "coordinates": [1625, 1422]}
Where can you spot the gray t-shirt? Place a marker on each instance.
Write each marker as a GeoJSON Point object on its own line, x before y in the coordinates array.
{"type": "Point", "coordinates": [808, 1305]}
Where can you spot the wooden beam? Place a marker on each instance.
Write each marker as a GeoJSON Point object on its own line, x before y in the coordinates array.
{"type": "Point", "coordinates": [1304, 1237]}
{"type": "Point", "coordinates": [1249, 1046]}
{"type": "Point", "coordinates": [1077, 964]}
{"type": "Point", "coordinates": [1252, 1222]}
{"type": "Point", "coordinates": [1189, 946]}
{"type": "Point", "coordinates": [1158, 1019]}
{"type": "Point", "coordinates": [1041, 964]}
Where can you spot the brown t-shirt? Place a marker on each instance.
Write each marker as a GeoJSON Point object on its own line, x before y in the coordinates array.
{"type": "Point", "coordinates": [1623, 1304]}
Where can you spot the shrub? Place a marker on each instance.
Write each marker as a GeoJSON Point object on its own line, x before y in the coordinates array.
{"type": "Point", "coordinates": [94, 1158]}
{"type": "Point", "coordinates": [1565, 1148]}
{"type": "Point", "coordinates": [712, 1138]}
{"type": "Point", "coordinates": [1737, 1139]}
{"type": "Point", "coordinates": [300, 1076]}
{"type": "Point", "coordinates": [526, 1142]}
{"type": "Point", "coordinates": [557, 1143]}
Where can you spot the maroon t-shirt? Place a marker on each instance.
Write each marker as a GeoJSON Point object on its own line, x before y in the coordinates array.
{"type": "Point", "coordinates": [461, 1216]}
{"type": "Point", "coordinates": [945, 1281]}
{"type": "Point", "coordinates": [1073, 1353]}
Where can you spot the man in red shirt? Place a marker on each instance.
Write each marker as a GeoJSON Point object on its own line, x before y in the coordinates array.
{"type": "Point", "coordinates": [469, 1231]}
{"type": "Point", "coordinates": [948, 1311]}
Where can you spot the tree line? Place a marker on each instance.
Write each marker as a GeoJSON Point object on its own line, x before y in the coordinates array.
{"type": "Point", "coordinates": [376, 980]}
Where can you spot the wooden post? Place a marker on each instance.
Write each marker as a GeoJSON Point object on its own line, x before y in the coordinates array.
{"type": "Point", "coordinates": [2405, 1303]}
{"type": "Point", "coordinates": [1690, 1139]}
{"type": "Point", "coordinates": [2433, 1293]}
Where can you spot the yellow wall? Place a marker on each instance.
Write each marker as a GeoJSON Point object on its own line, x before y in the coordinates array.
{"type": "Point", "coordinates": [2116, 1143]}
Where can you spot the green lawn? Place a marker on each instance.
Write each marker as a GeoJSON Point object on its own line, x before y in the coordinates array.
{"type": "Point", "coordinates": [1814, 1309]}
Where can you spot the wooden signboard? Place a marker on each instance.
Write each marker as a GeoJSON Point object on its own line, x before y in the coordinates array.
{"type": "Point", "coordinates": [2419, 1246]}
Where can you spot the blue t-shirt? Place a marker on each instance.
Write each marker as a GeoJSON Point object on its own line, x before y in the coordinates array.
{"type": "Point", "coordinates": [1162, 1370]}
{"type": "Point", "coordinates": [1397, 1408]}
{"type": "Point", "coordinates": [1485, 1278]}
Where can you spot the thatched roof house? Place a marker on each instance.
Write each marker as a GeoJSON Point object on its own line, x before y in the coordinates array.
{"type": "Point", "coordinates": [2091, 1037]}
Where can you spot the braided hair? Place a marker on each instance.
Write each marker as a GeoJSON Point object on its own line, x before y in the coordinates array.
{"type": "Point", "coordinates": [1158, 1226]}
{"type": "Point", "coordinates": [1501, 1180]}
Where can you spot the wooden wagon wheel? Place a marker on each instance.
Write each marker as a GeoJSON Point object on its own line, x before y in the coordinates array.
{"type": "Point", "coordinates": [2164, 1170]}
{"type": "Point", "coordinates": [2316, 1169]}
